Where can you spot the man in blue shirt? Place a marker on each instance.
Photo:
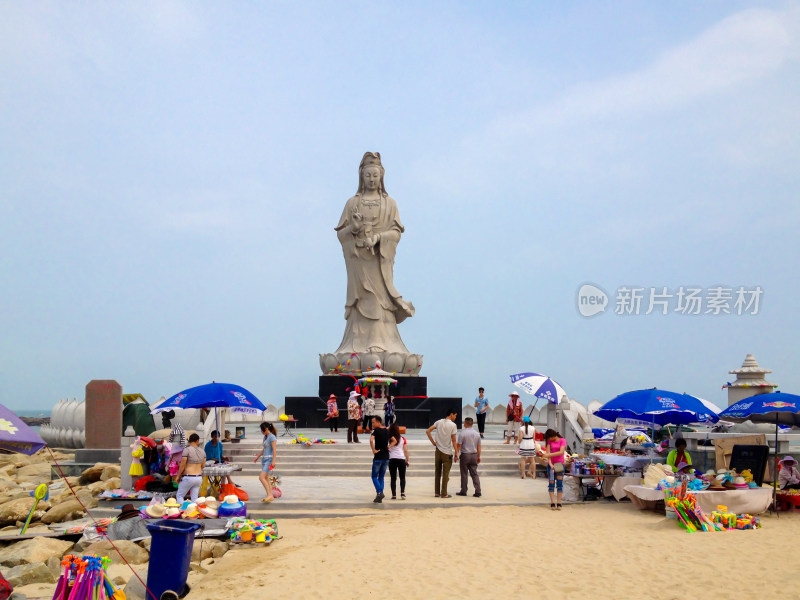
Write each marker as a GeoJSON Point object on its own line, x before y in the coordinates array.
{"type": "Point", "coordinates": [481, 408]}
{"type": "Point", "coordinates": [214, 448]}
{"type": "Point", "coordinates": [214, 452]}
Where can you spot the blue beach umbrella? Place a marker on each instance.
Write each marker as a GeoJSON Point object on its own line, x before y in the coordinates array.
{"type": "Point", "coordinates": [656, 407]}
{"type": "Point", "coordinates": [540, 386]}
{"type": "Point", "coordinates": [777, 407]}
{"type": "Point", "coordinates": [214, 395]}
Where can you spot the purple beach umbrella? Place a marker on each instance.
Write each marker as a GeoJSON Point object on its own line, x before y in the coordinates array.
{"type": "Point", "coordinates": [16, 436]}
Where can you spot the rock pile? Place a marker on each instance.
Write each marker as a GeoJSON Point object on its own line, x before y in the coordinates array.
{"type": "Point", "coordinates": [36, 562]}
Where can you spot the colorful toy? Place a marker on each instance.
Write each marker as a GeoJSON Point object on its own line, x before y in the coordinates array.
{"type": "Point", "coordinates": [85, 578]}
{"type": "Point", "coordinates": [42, 492]}
{"type": "Point", "coordinates": [248, 531]}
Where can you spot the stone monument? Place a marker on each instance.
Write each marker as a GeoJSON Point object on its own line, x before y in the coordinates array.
{"type": "Point", "coordinates": [369, 232]}
{"type": "Point", "coordinates": [103, 422]}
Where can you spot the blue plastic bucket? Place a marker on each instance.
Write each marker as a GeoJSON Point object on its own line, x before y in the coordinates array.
{"type": "Point", "coordinates": [170, 554]}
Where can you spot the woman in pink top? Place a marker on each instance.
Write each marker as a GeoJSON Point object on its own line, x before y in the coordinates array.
{"type": "Point", "coordinates": [556, 446]}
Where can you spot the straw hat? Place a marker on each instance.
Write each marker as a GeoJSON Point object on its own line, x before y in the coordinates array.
{"type": "Point", "coordinates": [155, 511]}
{"type": "Point", "coordinates": [173, 513]}
{"type": "Point", "coordinates": [232, 499]}
{"type": "Point", "coordinates": [172, 503]}
{"type": "Point", "coordinates": [208, 512]}
{"type": "Point", "coordinates": [212, 503]}
{"type": "Point", "coordinates": [514, 394]}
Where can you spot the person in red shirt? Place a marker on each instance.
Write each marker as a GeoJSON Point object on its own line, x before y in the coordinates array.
{"type": "Point", "coordinates": [513, 417]}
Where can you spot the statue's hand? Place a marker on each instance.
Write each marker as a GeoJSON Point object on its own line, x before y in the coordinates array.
{"type": "Point", "coordinates": [373, 240]}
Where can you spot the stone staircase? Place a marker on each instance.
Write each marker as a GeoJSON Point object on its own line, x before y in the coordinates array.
{"type": "Point", "coordinates": [351, 460]}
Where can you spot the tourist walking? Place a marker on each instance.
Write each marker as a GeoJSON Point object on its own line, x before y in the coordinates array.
{"type": "Point", "coordinates": [388, 411]}
{"type": "Point", "coordinates": [555, 447]}
{"type": "Point", "coordinates": [469, 445]}
{"type": "Point", "coordinates": [398, 461]}
{"type": "Point", "coordinates": [513, 416]}
{"type": "Point", "coordinates": [529, 448]}
{"type": "Point", "coordinates": [267, 455]}
{"type": "Point", "coordinates": [481, 408]}
{"type": "Point", "coordinates": [444, 440]}
{"type": "Point", "coordinates": [333, 413]}
{"type": "Point", "coordinates": [368, 410]}
{"type": "Point", "coordinates": [353, 416]}
{"type": "Point", "coordinates": [190, 473]}
{"type": "Point", "coordinates": [379, 442]}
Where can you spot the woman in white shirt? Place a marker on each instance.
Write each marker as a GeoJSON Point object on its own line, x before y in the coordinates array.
{"type": "Point", "coordinates": [398, 461]}
{"type": "Point", "coordinates": [529, 448]}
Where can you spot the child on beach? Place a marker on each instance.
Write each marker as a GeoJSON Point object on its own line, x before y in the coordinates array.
{"type": "Point", "coordinates": [556, 446]}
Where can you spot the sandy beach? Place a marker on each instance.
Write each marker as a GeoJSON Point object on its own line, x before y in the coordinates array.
{"type": "Point", "coordinates": [603, 550]}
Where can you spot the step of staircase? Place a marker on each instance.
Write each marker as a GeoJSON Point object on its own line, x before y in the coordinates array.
{"type": "Point", "coordinates": [353, 460]}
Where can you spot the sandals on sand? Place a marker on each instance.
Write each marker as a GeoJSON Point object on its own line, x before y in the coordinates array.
{"type": "Point", "coordinates": [552, 506]}
{"type": "Point", "coordinates": [267, 499]}
{"type": "Point", "coordinates": [558, 506]}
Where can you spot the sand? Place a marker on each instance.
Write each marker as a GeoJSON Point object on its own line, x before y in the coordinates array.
{"type": "Point", "coordinates": [601, 550]}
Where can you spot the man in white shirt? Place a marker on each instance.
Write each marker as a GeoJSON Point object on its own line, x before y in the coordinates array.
{"type": "Point", "coordinates": [444, 440]}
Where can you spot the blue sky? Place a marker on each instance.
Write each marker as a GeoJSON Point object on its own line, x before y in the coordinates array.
{"type": "Point", "coordinates": [171, 173]}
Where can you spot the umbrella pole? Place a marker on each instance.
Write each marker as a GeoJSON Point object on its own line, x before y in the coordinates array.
{"type": "Point", "coordinates": [775, 470]}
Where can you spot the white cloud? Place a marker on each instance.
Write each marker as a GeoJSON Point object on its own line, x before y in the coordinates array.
{"type": "Point", "coordinates": [738, 51]}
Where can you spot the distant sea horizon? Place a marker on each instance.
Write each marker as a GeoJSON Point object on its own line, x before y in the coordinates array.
{"type": "Point", "coordinates": [43, 412]}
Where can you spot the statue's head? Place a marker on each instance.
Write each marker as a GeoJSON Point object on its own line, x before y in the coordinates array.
{"type": "Point", "coordinates": [370, 174]}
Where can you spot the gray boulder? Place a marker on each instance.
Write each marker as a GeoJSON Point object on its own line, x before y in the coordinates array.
{"type": "Point", "coordinates": [27, 574]}
{"type": "Point", "coordinates": [133, 553]}
{"type": "Point", "coordinates": [35, 550]}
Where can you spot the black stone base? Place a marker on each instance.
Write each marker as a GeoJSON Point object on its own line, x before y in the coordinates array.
{"type": "Point", "coordinates": [341, 385]}
{"type": "Point", "coordinates": [414, 413]}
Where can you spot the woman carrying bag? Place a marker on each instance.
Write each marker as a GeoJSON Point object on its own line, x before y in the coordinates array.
{"type": "Point", "coordinates": [556, 447]}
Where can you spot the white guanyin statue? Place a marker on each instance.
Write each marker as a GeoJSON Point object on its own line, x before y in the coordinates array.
{"type": "Point", "coordinates": [369, 232]}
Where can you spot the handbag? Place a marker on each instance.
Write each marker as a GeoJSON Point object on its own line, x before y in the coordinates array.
{"type": "Point", "coordinates": [558, 468]}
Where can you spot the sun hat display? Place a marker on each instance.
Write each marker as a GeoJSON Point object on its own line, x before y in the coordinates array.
{"type": "Point", "coordinates": [173, 513]}
{"type": "Point", "coordinates": [172, 503]}
{"type": "Point", "coordinates": [190, 512]}
{"type": "Point", "coordinates": [208, 512]}
{"type": "Point", "coordinates": [740, 482]}
{"type": "Point", "coordinates": [212, 502]}
{"type": "Point", "coordinates": [232, 507]}
{"type": "Point", "coordinates": [127, 512]}
{"type": "Point", "coordinates": [155, 511]}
